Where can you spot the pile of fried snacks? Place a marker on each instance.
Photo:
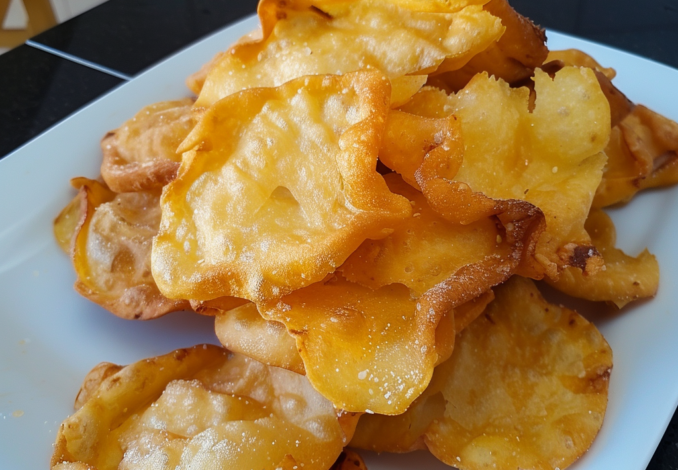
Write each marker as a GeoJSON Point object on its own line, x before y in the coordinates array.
{"type": "Point", "coordinates": [362, 194]}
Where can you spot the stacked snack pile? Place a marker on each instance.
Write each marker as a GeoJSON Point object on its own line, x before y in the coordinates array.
{"type": "Point", "coordinates": [362, 195]}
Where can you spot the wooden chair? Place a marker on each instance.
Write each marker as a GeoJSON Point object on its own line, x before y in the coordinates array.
{"type": "Point", "coordinates": [40, 17]}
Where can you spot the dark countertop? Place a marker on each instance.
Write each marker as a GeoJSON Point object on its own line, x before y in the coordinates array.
{"type": "Point", "coordinates": [68, 66]}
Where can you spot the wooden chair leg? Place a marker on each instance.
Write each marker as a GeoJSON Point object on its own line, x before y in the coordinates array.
{"type": "Point", "coordinates": [4, 6]}
{"type": "Point", "coordinates": [40, 17]}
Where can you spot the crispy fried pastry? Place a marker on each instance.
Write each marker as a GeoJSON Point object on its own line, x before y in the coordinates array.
{"type": "Point", "coordinates": [244, 331]}
{"type": "Point", "coordinates": [643, 148]}
{"type": "Point", "coordinates": [302, 37]}
{"type": "Point", "coordinates": [111, 251]}
{"type": "Point", "coordinates": [201, 408]}
{"type": "Point", "coordinates": [551, 156]}
{"type": "Point", "coordinates": [624, 279]}
{"type": "Point", "coordinates": [526, 387]}
{"type": "Point", "coordinates": [381, 316]}
{"type": "Point", "coordinates": [277, 188]}
{"type": "Point", "coordinates": [513, 57]}
{"type": "Point", "coordinates": [142, 154]}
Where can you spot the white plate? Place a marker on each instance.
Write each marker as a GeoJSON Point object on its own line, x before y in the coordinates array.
{"type": "Point", "coordinates": [50, 337]}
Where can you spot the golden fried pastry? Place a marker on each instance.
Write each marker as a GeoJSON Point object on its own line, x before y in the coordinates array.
{"type": "Point", "coordinates": [66, 224]}
{"type": "Point", "coordinates": [643, 153]}
{"type": "Point", "coordinates": [624, 279]}
{"type": "Point", "coordinates": [580, 59]}
{"type": "Point", "coordinates": [526, 387]}
{"type": "Point", "coordinates": [142, 154]}
{"type": "Point", "coordinates": [326, 37]}
{"type": "Point", "coordinates": [93, 379]}
{"type": "Point", "coordinates": [643, 148]}
{"type": "Point", "coordinates": [426, 250]}
{"type": "Point", "coordinates": [382, 347]}
{"type": "Point", "coordinates": [360, 196]}
{"type": "Point", "coordinates": [551, 157]}
{"type": "Point", "coordinates": [381, 316]}
{"type": "Point", "coordinates": [214, 306]}
{"type": "Point", "coordinates": [244, 331]}
{"type": "Point", "coordinates": [454, 321]}
{"type": "Point", "coordinates": [202, 408]}
{"type": "Point", "coordinates": [417, 146]}
{"type": "Point", "coordinates": [513, 57]}
{"type": "Point", "coordinates": [112, 251]}
{"type": "Point", "coordinates": [277, 188]}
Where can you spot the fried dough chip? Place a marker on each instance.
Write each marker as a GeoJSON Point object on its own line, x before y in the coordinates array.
{"type": "Point", "coordinates": [404, 432]}
{"type": "Point", "coordinates": [466, 313]}
{"type": "Point", "coordinates": [203, 408]}
{"type": "Point", "coordinates": [643, 148]}
{"type": "Point", "coordinates": [302, 37]}
{"type": "Point", "coordinates": [524, 359]}
{"type": "Point", "coordinates": [463, 315]}
{"type": "Point", "coordinates": [620, 105]}
{"type": "Point", "coordinates": [195, 81]}
{"type": "Point", "coordinates": [142, 154]}
{"type": "Point", "coordinates": [365, 350]}
{"type": "Point", "coordinates": [66, 224]}
{"type": "Point", "coordinates": [655, 137]}
{"type": "Point", "coordinates": [579, 58]}
{"type": "Point", "coordinates": [244, 331]}
{"type": "Point", "coordinates": [112, 251]}
{"type": "Point", "coordinates": [414, 144]}
{"type": "Point", "coordinates": [390, 323]}
{"type": "Point", "coordinates": [624, 279]}
{"type": "Point", "coordinates": [280, 187]}
{"type": "Point", "coordinates": [643, 153]}
{"type": "Point", "coordinates": [551, 157]}
{"type": "Point", "coordinates": [426, 251]}
{"type": "Point", "coordinates": [526, 387]}
{"type": "Point", "coordinates": [93, 380]}
{"type": "Point", "coordinates": [428, 152]}
{"type": "Point", "coordinates": [248, 333]}
{"type": "Point", "coordinates": [513, 57]}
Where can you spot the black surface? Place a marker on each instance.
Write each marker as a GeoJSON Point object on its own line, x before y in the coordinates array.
{"type": "Point", "coordinates": [131, 35]}
{"type": "Point", "coordinates": [38, 90]}
{"type": "Point", "coordinates": [666, 455]}
{"type": "Point", "coordinates": [645, 27]}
